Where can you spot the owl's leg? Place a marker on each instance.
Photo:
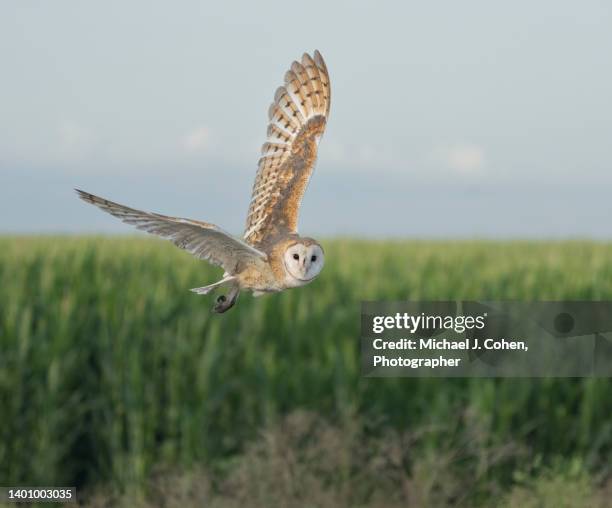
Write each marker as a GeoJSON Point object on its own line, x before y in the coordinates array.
{"type": "Point", "coordinates": [224, 303]}
{"type": "Point", "coordinates": [207, 289]}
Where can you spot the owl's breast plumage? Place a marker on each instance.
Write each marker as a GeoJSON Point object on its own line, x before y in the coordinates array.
{"type": "Point", "coordinates": [269, 275]}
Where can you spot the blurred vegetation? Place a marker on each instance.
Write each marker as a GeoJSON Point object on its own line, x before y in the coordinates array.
{"type": "Point", "coordinates": [109, 366]}
{"type": "Point", "coordinates": [305, 462]}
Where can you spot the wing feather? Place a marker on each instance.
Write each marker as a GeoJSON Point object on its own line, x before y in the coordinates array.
{"type": "Point", "coordinates": [297, 117]}
{"type": "Point", "coordinates": [305, 90]}
{"type": "Point", "coordinates": [315, 82]}
{"type": "Point", "coordinates": [324, 76]}
{"type": "Point", "coordinates": [281, 118]}
{"type": "Point", "coordinates": [203, 240]}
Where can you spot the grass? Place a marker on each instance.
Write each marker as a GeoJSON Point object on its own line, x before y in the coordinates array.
{"type": "Point", "coordinates": [110, 367]}
{"type": "Point", "coordinates": [303, 461]}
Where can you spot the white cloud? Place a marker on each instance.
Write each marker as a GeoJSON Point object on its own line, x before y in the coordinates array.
{"type": "Point", "coordinates": [334, 151]}
{"type": "Point", "coordinates": [365, 156]}
{"type": "Point", "coordinates": [464, 158]}
{"type": "Point", "coordinates": [197, 140]}
{"type": "Point", "coordinates": [75, 140]}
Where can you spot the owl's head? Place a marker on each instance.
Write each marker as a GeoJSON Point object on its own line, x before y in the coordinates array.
{"type": "Point", "coordinates": [303, 260]}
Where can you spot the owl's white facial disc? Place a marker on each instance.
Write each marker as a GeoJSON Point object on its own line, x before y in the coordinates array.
{"type": "Point", "coordinates": [304, 262]}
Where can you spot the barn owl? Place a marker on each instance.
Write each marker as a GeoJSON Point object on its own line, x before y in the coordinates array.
{"type": "Point", "coordinates": [271, 256]}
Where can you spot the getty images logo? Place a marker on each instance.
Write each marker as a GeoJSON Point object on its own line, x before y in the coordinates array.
{"type": "Point", "coordinates": [424, 322]}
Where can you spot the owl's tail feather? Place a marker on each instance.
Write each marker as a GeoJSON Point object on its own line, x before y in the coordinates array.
{"type": "Point", "coordinates": [204, 290]}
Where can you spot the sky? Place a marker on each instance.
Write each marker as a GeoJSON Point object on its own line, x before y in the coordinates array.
{"type": "Point", "coordinates": [470, 119]}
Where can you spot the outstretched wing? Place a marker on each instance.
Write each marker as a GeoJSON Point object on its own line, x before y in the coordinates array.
{"type": "Point", "coordinates": [297, 120]}
{"type": "Point", "coordinates": [203, 240]}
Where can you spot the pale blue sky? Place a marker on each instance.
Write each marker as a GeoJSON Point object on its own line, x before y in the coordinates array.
{"type": "Point", "coordinates": [461, 119]}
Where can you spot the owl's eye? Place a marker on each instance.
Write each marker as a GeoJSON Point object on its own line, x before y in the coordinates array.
{"type": "Point", "coordinates": [296, 256]}
{"type": "Point", "coordinates": [313, 258]}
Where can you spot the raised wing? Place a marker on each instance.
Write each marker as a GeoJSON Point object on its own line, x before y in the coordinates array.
{"type": "Point", "coordinates": [203, 240]}
{"type": "Point", "coordinates": [297, 120]}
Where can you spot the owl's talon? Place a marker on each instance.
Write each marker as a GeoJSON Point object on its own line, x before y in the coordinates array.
{"type": "Point", "coordinates": [225, 303]}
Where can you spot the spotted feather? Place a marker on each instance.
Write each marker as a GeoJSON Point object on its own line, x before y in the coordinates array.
{"type": "Point", "coordinates": [297, 117]}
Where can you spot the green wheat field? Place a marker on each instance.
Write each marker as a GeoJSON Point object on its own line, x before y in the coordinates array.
{"type": "Point", "coordinates": [116, 379]}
